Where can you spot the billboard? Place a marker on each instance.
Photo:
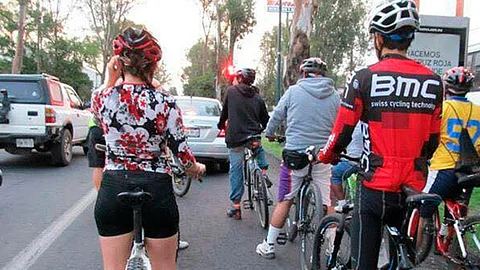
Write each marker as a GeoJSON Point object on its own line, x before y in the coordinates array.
{"type": "Point", "coordinates": [441, 42]}
{"type": "Point", "coordinates": [288, 6]}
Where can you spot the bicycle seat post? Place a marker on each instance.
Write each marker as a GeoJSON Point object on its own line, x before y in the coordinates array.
{"type": "Point", "coordinates": [135, 200]}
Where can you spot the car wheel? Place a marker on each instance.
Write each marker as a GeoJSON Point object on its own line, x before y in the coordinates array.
{"type": "Point", "coordinates": [224, 166]}
{"type": "Point", "coordinates": [62, 151]}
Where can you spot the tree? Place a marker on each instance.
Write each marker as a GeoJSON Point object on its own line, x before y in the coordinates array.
{"type": "Point", "coordinates": [194, 81]}
{"type": "Point", "coordinates": [299, 40]}
{"type": "Point", "coordinates": [8, 25]}
{"type": "Point", "coordinates": [338, 36]}
{"type": "Point", "coordinates": [267, 71]}
{"type": "Point", "coordinates": [18, 59]}
{"type": "Point", "coordinates": [208, 17]}
{"type": "Point", "coordinates": [108, 19]}
{"type": "Point", "coordinates": [239, 19]}
{"type": "Point", "coordinates": [162, 75]}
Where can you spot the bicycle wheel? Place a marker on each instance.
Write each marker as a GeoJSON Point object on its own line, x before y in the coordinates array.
{"type": "Point", "coordinates": [260, 198]}
{"type": "Point", "coordinates": [181, 184]}
{"type": "Point", "coordinates": [248, 182]}
{"type": "Point", "coordinates": [419, 251]}
{"type": "Point", "coordinates": [291, 228]}
{"type": "Point", "coordinates": [323, 245]}
{"type": "Point", "coordinates": [136, 263]}
{"type": "Point", "coordinates": [471, 239]}
{"type": "Point", "coordinates": [311, 215]}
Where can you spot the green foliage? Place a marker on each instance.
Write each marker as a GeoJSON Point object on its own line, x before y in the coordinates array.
{"type": "Point", "coordinates": [339, 35]}
{"type": "Point", "coordinates": [274, 148]}
{"type": "Point", "coordinates": [239, 16]}
{"type": "Point", "coordinates": [267, 72]}
{"type": "Point", "coordinates": [195, 82]}
{"type": "Point", "coordinates": [162, 74]}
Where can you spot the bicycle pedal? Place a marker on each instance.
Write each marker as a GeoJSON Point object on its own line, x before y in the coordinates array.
{"type": "Point", "coordinates": [247, 204]}
{"type": "Point", "coordinates": [282, 239]}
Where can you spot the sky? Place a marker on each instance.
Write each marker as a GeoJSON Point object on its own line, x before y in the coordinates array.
{"type": "Point", "coordinates": [177, 26]}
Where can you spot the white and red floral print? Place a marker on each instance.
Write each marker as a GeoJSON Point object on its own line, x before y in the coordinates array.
{"type": "Point", "coordinates": [139, 124]}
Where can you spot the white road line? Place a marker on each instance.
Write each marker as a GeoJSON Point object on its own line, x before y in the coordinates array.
{"type": "Point", "coordinates": [34, 250]}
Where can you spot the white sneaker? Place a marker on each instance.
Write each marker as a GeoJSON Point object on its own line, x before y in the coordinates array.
{"type": "Point", "coordinates": [340, 204]}
{"type": "Point", "coordinates": [183, 245]}
{"type": "Point", "coordinates": [266, 250]}
{"type": "Point", "coordinates": [330, 239]}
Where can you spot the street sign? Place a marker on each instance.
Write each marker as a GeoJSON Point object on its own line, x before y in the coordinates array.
{"type": "Point", "coordinates": [441, 43]}
{"type": "Point", "coordinates": [288, 6]}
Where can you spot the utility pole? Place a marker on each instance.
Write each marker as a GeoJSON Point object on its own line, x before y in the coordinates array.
{"type": "Point", "coordinates": [218, 91]}
{"type": "Point", "coordinates": [39, 37]}
{"type": "Point", "coordinates": [279, 53]}
{"type": "Point", "coordinates": [18, 59]}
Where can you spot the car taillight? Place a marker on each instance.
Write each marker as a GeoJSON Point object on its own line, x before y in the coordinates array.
{"type": "Point", "coordinates": [50, 116]}
{"type": "Point", "coordinates": [221, 133]}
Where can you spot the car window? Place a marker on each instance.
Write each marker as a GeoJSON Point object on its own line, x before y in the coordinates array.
{"type": "Point", "coordinates": [199, 107]}
{"type": "Point", "coordinates": [73, 97]}
{"type": "Point", "coordinates": [55, 93]}
{"type": "Point", "coordinates": [23, 91]}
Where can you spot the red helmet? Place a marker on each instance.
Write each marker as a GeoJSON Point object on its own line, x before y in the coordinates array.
{"type": "Point", "coordinates": [458, 80]}
{"type": "Point", "coordinates": [137, 40]}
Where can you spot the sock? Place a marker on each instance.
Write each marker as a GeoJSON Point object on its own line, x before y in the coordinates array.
{"type": "Point", "coordinates": [273, 234]}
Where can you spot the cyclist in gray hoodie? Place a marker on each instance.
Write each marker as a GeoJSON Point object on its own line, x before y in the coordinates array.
{"type": "Point", "coordinates": [309, 109]}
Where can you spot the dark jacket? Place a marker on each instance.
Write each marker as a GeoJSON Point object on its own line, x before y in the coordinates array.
{"type": "Point", "coordinates": [246, 113]}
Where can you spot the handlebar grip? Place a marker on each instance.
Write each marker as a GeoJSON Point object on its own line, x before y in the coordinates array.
{"type": "Point", "coordinates": [100, 147]}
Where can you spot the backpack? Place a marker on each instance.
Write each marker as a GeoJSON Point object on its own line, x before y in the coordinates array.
{"type": "Point", "coordinates": [468, 161]}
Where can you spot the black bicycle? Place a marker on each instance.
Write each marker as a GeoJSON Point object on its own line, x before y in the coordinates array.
{"type": "Point", "coordinates": [257, 191]}
{"type": "Point", "coordinates": [305, 216]}
{"type": "Point", "coordinates": [402, 249]}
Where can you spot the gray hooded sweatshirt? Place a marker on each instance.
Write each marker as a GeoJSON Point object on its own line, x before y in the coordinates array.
{"type": "Point", "coordinates": [309, 108]}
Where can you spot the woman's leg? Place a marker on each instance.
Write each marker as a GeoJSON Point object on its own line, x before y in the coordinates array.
{"type": "Point", "coordinates": [162, 252]}
{"type": "Point", "coordinates": [116, 250]}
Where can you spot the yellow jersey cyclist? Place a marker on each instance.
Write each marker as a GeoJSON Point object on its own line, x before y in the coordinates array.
{"type": "Point", "coordinates": [457, 112]}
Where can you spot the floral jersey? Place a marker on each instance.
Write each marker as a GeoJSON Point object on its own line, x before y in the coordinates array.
{"type": "Point", "coordinates": [140, 124]}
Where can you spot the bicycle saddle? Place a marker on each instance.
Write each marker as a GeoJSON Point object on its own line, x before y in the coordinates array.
{"type": "Point", "coordinates": [134, 197]}
{"type": "Point", "coordinates": [418, 197]}
{"type": "Point", "coordinates": [468, 180]}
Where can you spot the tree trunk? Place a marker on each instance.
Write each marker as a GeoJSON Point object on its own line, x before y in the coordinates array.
{"type": "Point", "coordinates": [18, 59]}
{"type": "Point", "coordinates": [299, 40]}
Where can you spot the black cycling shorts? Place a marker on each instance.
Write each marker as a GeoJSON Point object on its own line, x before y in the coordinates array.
{"type": "Point", "coordinates": [159, 216]}
{"type": "Point", "coordinates": [96, 159]}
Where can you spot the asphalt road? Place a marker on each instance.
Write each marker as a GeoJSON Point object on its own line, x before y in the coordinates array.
{"type": "Point", "coordinates": [46, 221]}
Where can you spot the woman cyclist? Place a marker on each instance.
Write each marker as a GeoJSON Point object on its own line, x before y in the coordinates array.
{"type": "Point", "coordinates": [139, 123]}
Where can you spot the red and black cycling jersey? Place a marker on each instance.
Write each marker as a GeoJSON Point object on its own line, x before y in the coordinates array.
{"type": "Point", "coordinates": [399, 102]}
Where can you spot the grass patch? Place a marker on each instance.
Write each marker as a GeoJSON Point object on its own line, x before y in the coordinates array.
{"type": "Point", "coordinates": [273, 148]}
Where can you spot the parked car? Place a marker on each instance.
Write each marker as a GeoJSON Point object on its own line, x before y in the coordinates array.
{"type": "Point", "coordinates": [40, 112]}
{"type": "Point", "coordinates": [200, 116]}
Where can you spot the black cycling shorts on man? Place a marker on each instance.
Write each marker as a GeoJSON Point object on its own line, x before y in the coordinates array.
{"type": "Point", "coordinates": [399, 104]}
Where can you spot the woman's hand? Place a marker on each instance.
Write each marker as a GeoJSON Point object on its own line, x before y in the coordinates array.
{"type": "Point", "coordinates": [197, 170]}
{"type": "Point", "coordinates": [113, 71]}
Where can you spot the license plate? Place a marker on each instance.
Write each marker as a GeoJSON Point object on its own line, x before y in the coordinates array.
{"type": "Point", "coordinates": [192, 132]}
{"type": "Point", "coordinates": [25, 143]}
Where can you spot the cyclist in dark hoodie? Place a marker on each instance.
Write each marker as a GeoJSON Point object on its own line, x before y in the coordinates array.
{"type": "Point", "coordinates": [247, 115]}
{"type": "Point", "coordinates": [309, 109]}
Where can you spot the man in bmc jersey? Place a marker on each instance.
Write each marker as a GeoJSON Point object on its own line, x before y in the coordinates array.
{"type": "Point", "coordinates": [457, 112]}
{"type": "Point", "coordinates": [399, 102]}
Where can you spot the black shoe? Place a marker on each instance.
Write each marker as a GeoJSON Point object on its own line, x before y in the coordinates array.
{"type": "Point", "coordinates": [267, 181]}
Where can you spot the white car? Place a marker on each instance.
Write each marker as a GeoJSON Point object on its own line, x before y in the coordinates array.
{"type": "Point", "coordinates": [39, 112]}
{"type": "Point", "coordinates": [474, 97]}
{"type": "Point", "coordinates": [200, 117]}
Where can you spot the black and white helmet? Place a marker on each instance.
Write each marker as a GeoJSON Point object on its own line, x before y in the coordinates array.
{"type": "Point", "coordinates": [247, 75]}
{"type": "Point", "coordinates": [391, 15]}
{"type": "Point", "coordinates": [313, 65]}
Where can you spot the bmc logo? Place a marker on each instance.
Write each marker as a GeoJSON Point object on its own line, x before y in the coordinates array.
{"type": "Point", "coordinates": [383, 86]}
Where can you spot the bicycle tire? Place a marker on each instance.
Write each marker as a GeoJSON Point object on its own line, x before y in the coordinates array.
{"type": "Point", "coordinates": [260, 198]}
{"type": "Point", "coordinates": [312, 214]}
{"type": "Point", "coordinates": [136, 263]}
{"type": "Point", "coordinates": [291, 228]}
{"type": "Point", "coordinates": [248, 182]}
{"type": "Point", "coordinates": [321, 245]}
{"type": "Point", "coordinates": [471, 225]}
{"type": "Point", "coordinates": [181, 184]}
{"type": "Point", "coordinates": [420, 251]}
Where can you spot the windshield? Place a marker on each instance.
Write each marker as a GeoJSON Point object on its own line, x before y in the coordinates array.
{"type": "Point", "coordinates": [22, 92]}
{"type": "Point", "coordinates": [192, 107]}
